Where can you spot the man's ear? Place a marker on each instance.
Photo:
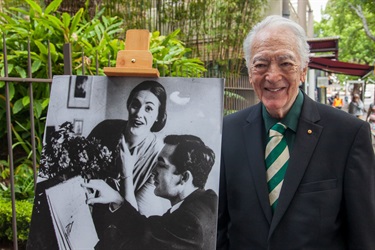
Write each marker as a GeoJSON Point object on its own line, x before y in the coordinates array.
{"type": "Point", "coordinates": [186, 176]}
{"type": "Point", "coordinates": [303, 75]}
{"type": "Point", "coordinates": [251, 83]}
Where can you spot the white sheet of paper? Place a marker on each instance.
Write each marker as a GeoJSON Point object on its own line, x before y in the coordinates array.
{"type": "Point", "coordinates": [71, 216]}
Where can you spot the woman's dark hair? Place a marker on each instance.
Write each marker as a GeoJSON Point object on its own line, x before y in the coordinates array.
{"type": "Point", "coordinates": [158, 90]}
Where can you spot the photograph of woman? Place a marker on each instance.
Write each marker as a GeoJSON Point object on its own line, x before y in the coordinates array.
{"type": "Point", "coordinates": [134, 146]}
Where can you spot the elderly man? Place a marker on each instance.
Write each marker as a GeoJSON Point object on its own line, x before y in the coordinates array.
{"type": "Point", "coordinates": [295, 174]}
{"type": "Point", "coordinates": [180, 176]}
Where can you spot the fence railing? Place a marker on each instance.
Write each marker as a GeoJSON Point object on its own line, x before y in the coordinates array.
{"type": "Point", "coordinates": [238, 95]}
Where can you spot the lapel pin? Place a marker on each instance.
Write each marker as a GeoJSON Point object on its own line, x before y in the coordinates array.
{"type": "Point", "coordinates": [309, 131]}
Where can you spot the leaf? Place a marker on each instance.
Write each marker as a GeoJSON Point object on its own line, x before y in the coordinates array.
{"type": "Point", "coordinates": [45, 103]}
{"type": "Point", "coordinates": [36, 65]}
{"type": "Point", "coordinates": [25, 101]}
{"type": "Point", "coordinates": [170, 36]}
{"type": "Point", "coordinates": [66, 20]}
{"type": "Point", "coordinates": [21, 71]}
{"type": "Point", "coordinates": [12, 91]}
{"type": "Point", "coordinates": [56, 22]}
{"type": "Point", "coordinates": [98, 31]}
{"type": "Point", "coordinates": [10, 69]}
{"type": "Point", "coordinates": [76, 19]}
{"type": "Point", "coordinates": [35, 6]}
{"type": "Point", "coordinates": [18, 106]}
{"type": "Point", "coordinates": [37, 109]}
{"type": "Point", "coordinates": [53, 6]}
{"type": "Point", "coordinates": [105, 21]}
{"type": "Point", "coordinates": [42, 48]}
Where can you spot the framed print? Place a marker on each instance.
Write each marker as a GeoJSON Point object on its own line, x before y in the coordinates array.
{"type": "Point", "coordinates": [78, 125]}
{"type": "Point", "coordinates": [145, 141]}
{"type": "Point", "coordinates": [80, 91]}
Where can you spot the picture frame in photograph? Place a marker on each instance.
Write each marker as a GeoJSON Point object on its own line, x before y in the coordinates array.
{"type": "Point", "coordinates": [78, 126]}
{"type": "Point", "coordinates": [80, 91]}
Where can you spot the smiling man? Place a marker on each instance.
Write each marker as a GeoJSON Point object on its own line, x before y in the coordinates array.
{"type": "Point", "coordinates": [295, 174]}
{"type": "Point", "coordinates": [180, 176]}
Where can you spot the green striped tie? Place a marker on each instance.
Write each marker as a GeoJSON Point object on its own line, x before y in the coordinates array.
{"type": "Point", "coordinates": [276, 158]}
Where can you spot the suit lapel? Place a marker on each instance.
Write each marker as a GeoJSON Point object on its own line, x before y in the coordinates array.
{"type": "Point", "coordinates": [307, 137]}
{"type": "Point", "coordinates": [252, 134]}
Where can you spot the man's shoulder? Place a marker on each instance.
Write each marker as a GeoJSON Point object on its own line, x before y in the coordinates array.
{"type": "Point", "coordinates": [202, 196]}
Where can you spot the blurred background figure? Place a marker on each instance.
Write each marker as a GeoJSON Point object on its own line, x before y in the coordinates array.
{"type": "Point", "coordinates": [370, 118]}
{"type": "Point", "coordinates": [356, 106]}
{"type": "Point", "coordinates": [337, 102]}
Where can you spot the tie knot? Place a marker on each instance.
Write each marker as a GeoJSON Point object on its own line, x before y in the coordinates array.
{"type": "Point", "coordinates": [277, 129]}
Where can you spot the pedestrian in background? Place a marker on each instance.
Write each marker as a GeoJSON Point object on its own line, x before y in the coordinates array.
{"type": "Point", "coordinates": [356, 106]}
{"type": "Point", "coordinates": [370, 118]}
{"type": "Point", "coordinates": [311, 188]}
{"type": "Point", "coordinates": [337, 102]}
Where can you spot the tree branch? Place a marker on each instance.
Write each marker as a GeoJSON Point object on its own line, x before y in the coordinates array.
{"type": "Point", "coordinates": [359, 12]}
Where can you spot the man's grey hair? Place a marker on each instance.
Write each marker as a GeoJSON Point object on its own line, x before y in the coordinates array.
{"type": "Point", "coordinates": [275, 21]}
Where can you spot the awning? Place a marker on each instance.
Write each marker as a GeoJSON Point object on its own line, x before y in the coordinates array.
{"type": "Point", "coordinates": [325, 45]}
{"type": "Point", "coordinates": [338, 67]}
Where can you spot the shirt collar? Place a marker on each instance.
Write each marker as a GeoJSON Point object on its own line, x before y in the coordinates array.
{"type": "Point", "coordinates": [290, 120]}
{"type": "Point", "coordinates": [176, 206]}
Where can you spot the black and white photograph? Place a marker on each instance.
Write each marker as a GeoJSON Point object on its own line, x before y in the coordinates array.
{"type": "Point", "coordinates": [136, 168]}
{"type": "Point", "coordinates": [80, 91]}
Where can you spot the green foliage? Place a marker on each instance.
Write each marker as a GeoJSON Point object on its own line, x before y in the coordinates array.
{"type": "Point", "coordinates": [24, 211]}
{"type": "Point", "coordinates": [341, 20]}
{"type": "Point", "coordinates": [44, 31]}
{"type": "Point", "coordinates": [213, 29]}
{"type": "Point", "coordinates": [24, 183]}
{"type": "Point", "coordinates": [234, 96]}
{"type": "Point", "coordinates": [169, 55]}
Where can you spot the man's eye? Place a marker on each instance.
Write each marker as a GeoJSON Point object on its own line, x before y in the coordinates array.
{"type": "Point", "coordinates": [260, 66]}
{"type": "Point", "coordinates": [161, 164]}
{"type": "Point", "coordinates": [287, 66]}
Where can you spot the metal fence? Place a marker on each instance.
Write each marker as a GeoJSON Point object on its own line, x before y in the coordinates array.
{"type": "Point", "coordinates": [238, 95]}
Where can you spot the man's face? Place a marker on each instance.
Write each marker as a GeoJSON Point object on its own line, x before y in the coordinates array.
{"type": "Point", "coordinates": [275, 70]}
{"type": "Point", "coordinates": [166, 180]}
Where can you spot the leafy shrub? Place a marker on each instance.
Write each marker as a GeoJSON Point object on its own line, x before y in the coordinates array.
{"type": "Point", "coordinates": [23, 210]}
{"type": "Point", "coordinates": [24, 183]}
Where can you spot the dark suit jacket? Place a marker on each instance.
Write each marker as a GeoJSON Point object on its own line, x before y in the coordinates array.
{"type": "Point", "coordinates": [191, 226]}
{"type": "Point", "coordinates": [328, 197]}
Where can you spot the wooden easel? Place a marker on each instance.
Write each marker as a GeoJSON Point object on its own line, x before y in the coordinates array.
{"type": "Point", "coordinates": [136, 59]}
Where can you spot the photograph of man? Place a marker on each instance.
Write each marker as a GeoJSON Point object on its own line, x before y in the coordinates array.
{"type": "Point", "coordinates": [295, 173]}
{"type": "Point", "coordinates": [180, 176]}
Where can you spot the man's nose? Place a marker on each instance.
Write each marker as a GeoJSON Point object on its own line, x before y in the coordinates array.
{"type": "Point", "coordinates": [154, 172]}
{"type": "Point", "coordinates": [273, 73]}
